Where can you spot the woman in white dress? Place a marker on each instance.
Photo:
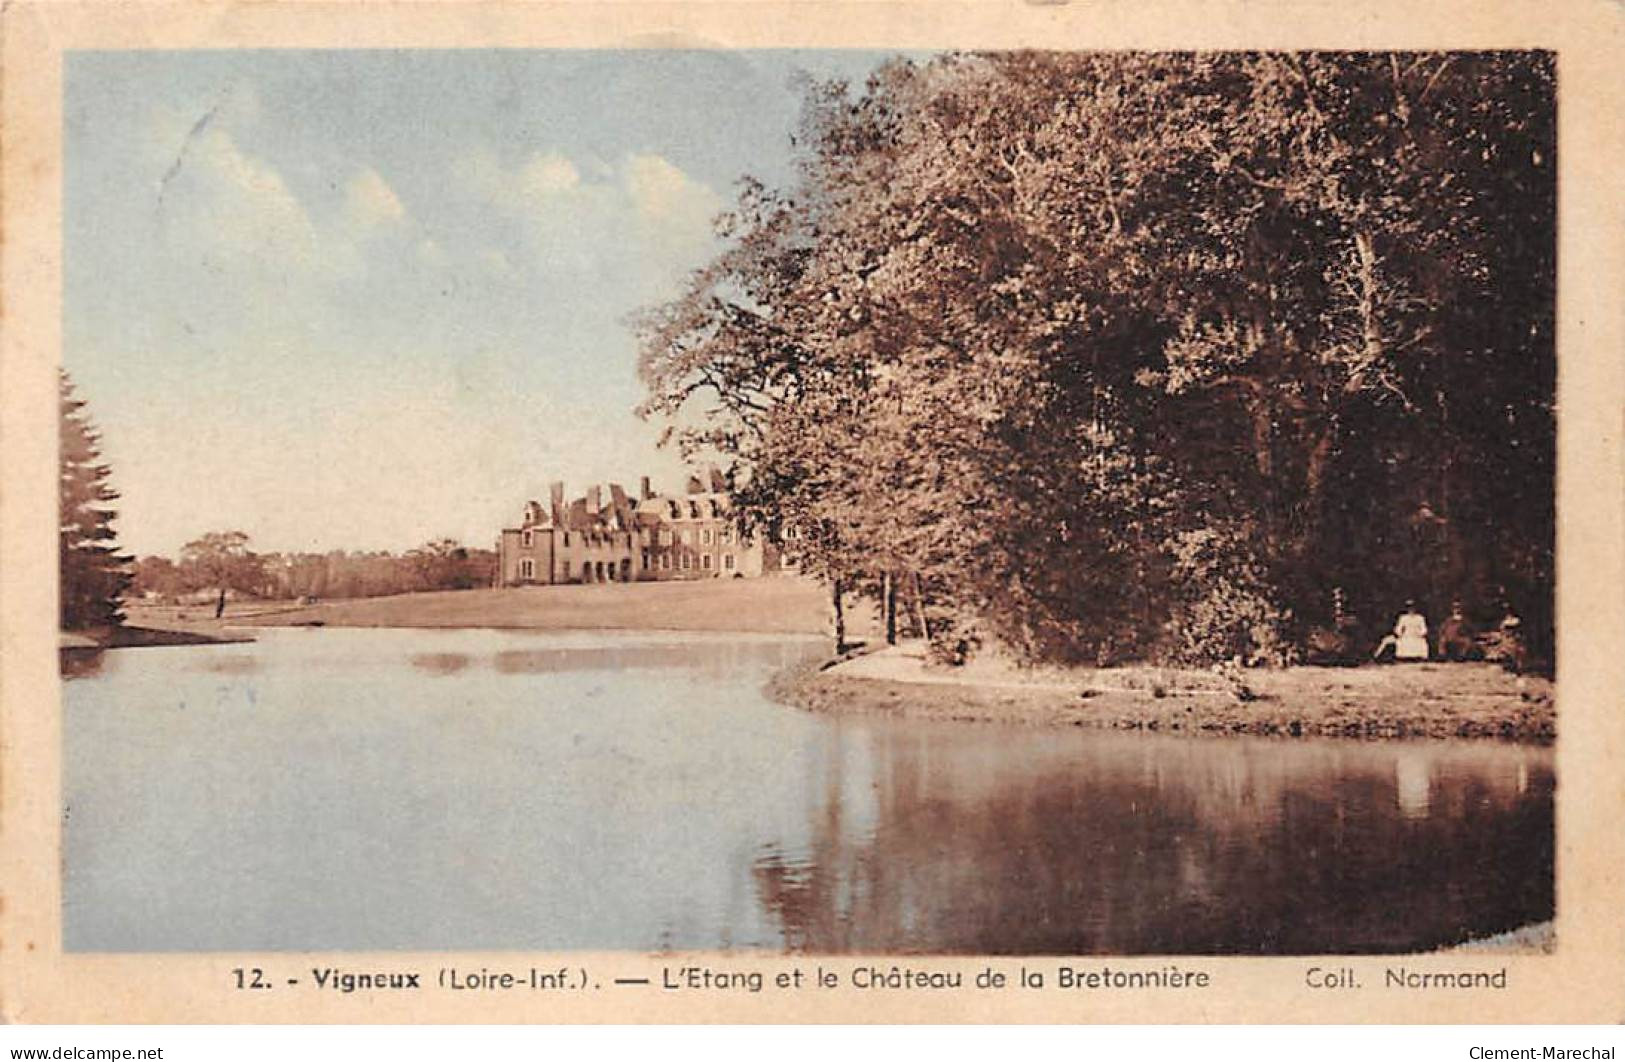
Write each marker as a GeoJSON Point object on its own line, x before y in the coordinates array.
{"type": "Point", "coordinates": [1409, 640]}
{"type": "Point", "coordinates": [1411, 631]}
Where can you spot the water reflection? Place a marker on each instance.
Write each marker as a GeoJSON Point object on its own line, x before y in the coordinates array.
{"type": "Point", "coordinates": [591, 658]}
{"type": "Point", "coordinates": [1132, 845]}
{"type": "Point", "coordinates": [1413, 778]}
{"type": "Point", "coordinates": [232, 664]}
{"type": "Point", "coordinates": [441, 663]}
{"type": "Point", "coordinates": [81, 663]}
{"type": "Point", "coordinates": [344, 789]}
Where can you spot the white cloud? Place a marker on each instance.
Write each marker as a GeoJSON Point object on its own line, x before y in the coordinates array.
{"type": "Point", "coordinates": [222, 204]}
{"type": "Point", "coordinates": [650, 187]}
{"type": "Point", "coordinates": [643, 216]}
{"type": "Point", "coordinates": [371, 201]}
{"type": "Point", "coordinates": [538, 183]}
{"type": "Point", "coordinates": [545, 176]}
{"type": "Point", "coordinates": [225, 207]}
{"type": "Point", "coordinates": [661, 191]}
{"type": "Point", "coordinates": [247, 206]}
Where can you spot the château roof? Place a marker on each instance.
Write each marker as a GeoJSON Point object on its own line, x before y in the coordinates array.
{"type": "Point", "coordinates": [622, 512]}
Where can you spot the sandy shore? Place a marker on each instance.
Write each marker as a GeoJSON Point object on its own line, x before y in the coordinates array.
{"type": "Point", "coordinates": [1401, 700]}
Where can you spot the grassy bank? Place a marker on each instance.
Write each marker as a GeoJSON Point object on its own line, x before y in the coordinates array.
{"type": "Point", "coordinates": [1403, 700]}
{"type": "Point", "coordinates": [771, 605]}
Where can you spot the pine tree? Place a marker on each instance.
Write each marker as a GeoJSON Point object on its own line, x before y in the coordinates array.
{"type": "Point", "coordinates": [94, 573]}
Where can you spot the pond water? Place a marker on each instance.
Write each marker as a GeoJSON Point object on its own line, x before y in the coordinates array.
{"type": "Point", "coordinates": [508, 790]}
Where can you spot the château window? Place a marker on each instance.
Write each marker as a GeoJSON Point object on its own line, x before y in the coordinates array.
{"type": "Point", "coordinates": [705, 561]}
{"type": "Point", "coordinates": [728, 562]}
{"type": "Point", "coordinates": [527, 568]}
{"type": "Point", "coordinates": [686, 562]}
{"type": "Point", "coordinates": [527, 539]}
{"type": "Point", "coordinates": [705, 536]}
{"type": "Point", "coordinates": [645, 558]}
{"type": "Point", "coordinates": [665, 561]}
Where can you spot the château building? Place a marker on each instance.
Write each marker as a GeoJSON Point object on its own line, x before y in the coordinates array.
{"type": "Point", "coordinates": [599, 538]}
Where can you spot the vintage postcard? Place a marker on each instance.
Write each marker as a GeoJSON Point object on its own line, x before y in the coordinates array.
{"type": "Point", "coordinates": [812, 512]}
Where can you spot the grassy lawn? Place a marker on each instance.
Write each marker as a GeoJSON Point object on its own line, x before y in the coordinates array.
{"type": "Point", "coordinates": [770, 605]}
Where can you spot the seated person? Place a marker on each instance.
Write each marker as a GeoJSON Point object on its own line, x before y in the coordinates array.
{"type": "Point", "coordinates": [1456, 641]}
{"type": "Point", "coordinates": [1505, 644]}
{"type": "Point", "coordinates": [1409, 639]}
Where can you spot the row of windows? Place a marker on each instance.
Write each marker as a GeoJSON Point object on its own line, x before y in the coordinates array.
{"type": "Point", "coordinates": [527, 566]}
{"type": "Point", "coordinates": [708, 537]}
{"type": "Point", "coordinates": [686, 561]}
{"type": "Point", "coordinates": [692, 510]}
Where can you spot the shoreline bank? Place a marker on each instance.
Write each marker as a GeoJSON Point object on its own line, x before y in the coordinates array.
{"type": "Point", "coordinates": [137, 637]}
{"type": "Point", "coordinates": [1477, 701]}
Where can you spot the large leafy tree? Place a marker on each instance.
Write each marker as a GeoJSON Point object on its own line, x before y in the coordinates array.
{"type": "Point", "coordinates": [221, 561]}
{"type": "Point", "coordinates": [1148, 351]}
{"type": "Point", "coordinates": [443, 564]}
{"type": "Point", "coordinates": [94, 574]}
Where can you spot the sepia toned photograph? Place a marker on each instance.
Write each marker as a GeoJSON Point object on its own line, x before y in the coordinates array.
{"type": "Point", "coordinates": [813, 513]}
{"type": "Point", "coordinates": [809, 501]}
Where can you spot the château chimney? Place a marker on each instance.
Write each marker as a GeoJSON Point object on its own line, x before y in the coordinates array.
{"type": "Point", "coordinates": [644, 493]}
{"type": "Point", "coordinates": [595, 501]}
{"type": "Point", "coordinates": [555, 495]}
{"type": "Point", "coordinates": [618, 501]}
{"type": "Point", "coordinates": [695, 486]}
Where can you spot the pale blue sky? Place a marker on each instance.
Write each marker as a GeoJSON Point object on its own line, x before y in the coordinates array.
{"type": "Point", "coordinates": [362, 299]}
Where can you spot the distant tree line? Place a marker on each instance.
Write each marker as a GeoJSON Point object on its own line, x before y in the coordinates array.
{"type": "Point", "coordinates": [222, 561]}
{"type": "Point", "coordinates": [1128, 355]}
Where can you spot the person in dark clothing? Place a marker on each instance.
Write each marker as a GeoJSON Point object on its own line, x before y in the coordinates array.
{"type": "Point", "coordinates": [1506, 643]}
{"type": "Point", "coordinates": [1456, 641]}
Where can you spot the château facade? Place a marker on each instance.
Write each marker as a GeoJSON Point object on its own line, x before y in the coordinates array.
{"type": "Point", "coordinates": [599, 538]}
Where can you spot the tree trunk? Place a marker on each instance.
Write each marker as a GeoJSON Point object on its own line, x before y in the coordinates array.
{"type": "Point", "coordinates": [1314, 492]}
{"type": "Point", "coordinates": [220, 605]}
{"type": "Point", "coordinates": [836, 593]}
{"type": "Point", "coordinates": [919, 609]}
{"type": "Point", "coordinates": [889, 593]}
{"type": "Point", "coordinates": [1260, 416]}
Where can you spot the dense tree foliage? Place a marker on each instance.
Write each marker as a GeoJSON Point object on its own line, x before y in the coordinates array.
{"type": "Point", "coordinates": [222, 560]}
{"type": "Point", "coordinates": [93, 573]}
{"type": "Point", "coordinates": [1103, 355]}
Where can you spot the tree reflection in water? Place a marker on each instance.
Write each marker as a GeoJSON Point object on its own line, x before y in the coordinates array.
{"type": "Point", "coordinates": [1141, 845]}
